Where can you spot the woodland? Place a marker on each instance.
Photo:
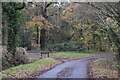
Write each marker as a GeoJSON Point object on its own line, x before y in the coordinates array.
{"type": "Point", "coordinates": [60, 27]}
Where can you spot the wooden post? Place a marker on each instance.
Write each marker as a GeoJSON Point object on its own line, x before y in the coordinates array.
{"type": "Point", "coordinates": [41, 55]}
{"type": "Point", "coordinates": [48, 54]}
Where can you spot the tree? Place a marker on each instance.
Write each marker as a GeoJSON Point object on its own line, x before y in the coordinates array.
{"type": "Point", "coordinates": [111, 10]}
{"type": "Point", "coordinates": [12, 9]}
{"type": "Point", "coordinates": [43, 30]}
{"type": "Point", "coordinates": [42, 13]}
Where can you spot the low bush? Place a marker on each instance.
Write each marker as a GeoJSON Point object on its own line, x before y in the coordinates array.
{"type": "Point", "coordinates": [65, 47]}
{"type": "Point", "coordinates": [21, 57]}
{"type": "Point", "coordinates": [102, 68]}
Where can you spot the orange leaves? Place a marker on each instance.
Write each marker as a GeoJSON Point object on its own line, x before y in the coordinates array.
{"type": "Point", "coordinates": [33, 23]}
{"type": "Point", "coordinates": [40, 21]}
{"type": "Point", "coordinates": [39, 18]}
{"type": "Point", "coordinates": [69, 11]}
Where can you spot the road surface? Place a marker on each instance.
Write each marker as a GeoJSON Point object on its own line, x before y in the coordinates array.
{"type": "Point", "coordinates": [72, 69]}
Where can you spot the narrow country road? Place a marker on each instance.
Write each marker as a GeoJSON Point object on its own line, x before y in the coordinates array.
{"type": "Point", "coordinates": [72, 69]}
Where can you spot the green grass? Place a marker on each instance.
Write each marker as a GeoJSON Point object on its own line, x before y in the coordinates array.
{"type": "Point", "coordinates": [26, 69]}
{"type": "Point", "coordinates": [72, 54]}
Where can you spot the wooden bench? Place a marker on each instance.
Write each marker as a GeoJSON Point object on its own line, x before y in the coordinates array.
{"type": "Point", "coordinates": [44, 53]}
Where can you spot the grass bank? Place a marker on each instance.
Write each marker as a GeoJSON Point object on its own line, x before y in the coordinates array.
{"type": "Point", "coordinates": [70, 56]}
{"type": "Point", "coordinates": [27, 70]}
{"type": "Point", "coordinates": [104, 68]}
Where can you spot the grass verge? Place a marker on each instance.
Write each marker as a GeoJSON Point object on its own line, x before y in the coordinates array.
{"type": "Point", "coordinates": [70, 55]}
{"type": "Point", "coordinates": [103, 68]}
{"type": "Point", "coordinates": [26, 70]}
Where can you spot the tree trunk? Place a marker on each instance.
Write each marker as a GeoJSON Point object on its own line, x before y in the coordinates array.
{"type": "Point", "coordinates": [42, 38]}
{"type": "Point", "coordinates": [38, 36]}
{"type": "Point", "coordinates": [43, 30]}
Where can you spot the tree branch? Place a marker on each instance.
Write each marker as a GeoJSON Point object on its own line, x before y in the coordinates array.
{"type": "Point", "coordinates": [47, 5]}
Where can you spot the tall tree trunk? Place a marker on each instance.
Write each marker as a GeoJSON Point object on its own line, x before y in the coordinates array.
{"type": "Point", "coordinates": [38, 35]}
{"type": "Point", "coordinates": [43, 38]}
{"type": "Point", "coordinates": [43, 30]}
{"type": "Point", "coordinates": [43, 35]}
{"type": "Point", "coordinates": [3, 35]}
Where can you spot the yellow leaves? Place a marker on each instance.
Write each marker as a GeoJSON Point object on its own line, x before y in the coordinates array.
{"type": "Point", "coordinates": [39, 21]}
{"type": "Point", "coordinates": [67, 15]}
{"type": "Point", "coordinates": [97, 32]}
{"type": "Point", "coordinates": [88, 37]}
{"type": "Point", "coordinates": [63, 12]}
{"type": "Point", "coordinates": [72, 6]}
{"type": "Point", "coordinates": [33, 23]}
{"type": "Point", "coordinates": [78, 26]}
{"type": "Point", "coordinates": [81, 38]}
{"type": "Point", "coordinates": [105, 38]}
{"type": "Point", "coordinates": [47, 24]}
{"type": "Point", "coordinates": [38, 2]}
{"type": "Point", "coordinates": [38, 18]}
{"type": "Point", "coordinates": [109, 20]}
{"type": "Point", "coordinates": [112, 22]}
{"type": "Point", "coordinates": [67, 12]}
{"type": "Point", "coordinates": [89, 27]}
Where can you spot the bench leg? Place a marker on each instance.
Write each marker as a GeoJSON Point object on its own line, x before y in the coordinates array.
{"type": "Point", "coordinates": [41, 55]}
{"type": "Point", "coordinates": [48, 55]}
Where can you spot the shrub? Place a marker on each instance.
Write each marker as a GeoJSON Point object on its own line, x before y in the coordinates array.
{"type": "Point", "coordinates": [20, 57]}
{"type": "Point", "coordinates": [65, 47]}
